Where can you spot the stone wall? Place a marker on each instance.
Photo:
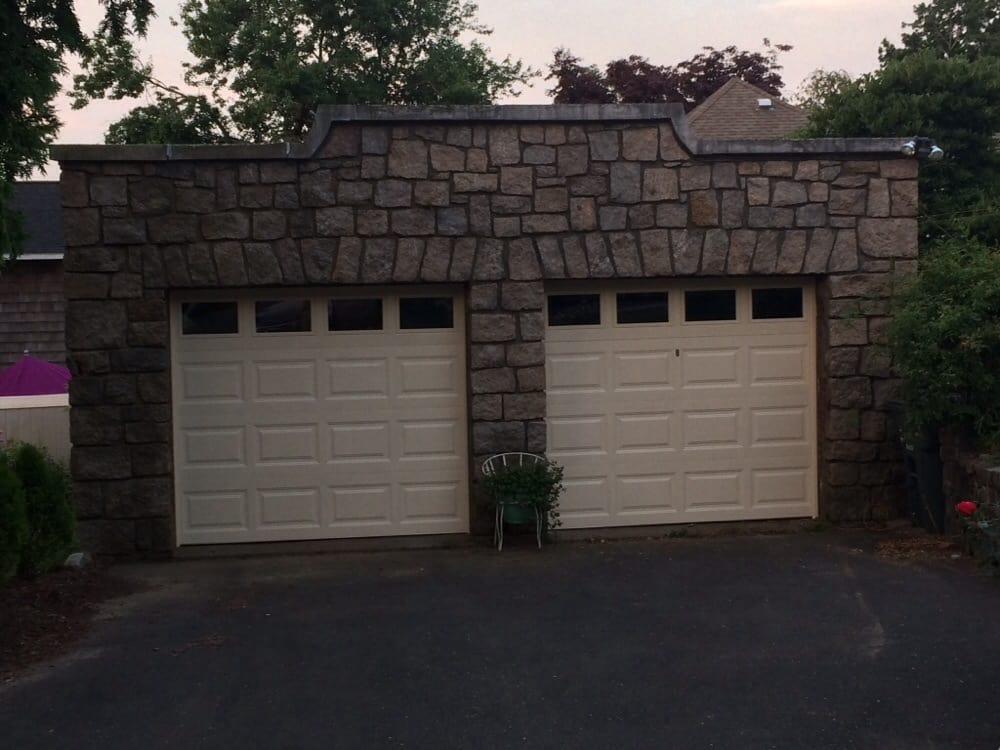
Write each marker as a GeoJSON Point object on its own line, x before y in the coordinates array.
{"type": "Point", "coordinates": [498, 207]}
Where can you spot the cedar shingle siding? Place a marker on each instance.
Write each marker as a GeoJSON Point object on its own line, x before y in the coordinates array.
{"type": "Point", "coordinates": [32, 306]}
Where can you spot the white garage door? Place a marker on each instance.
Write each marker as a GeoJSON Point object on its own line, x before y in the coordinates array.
{"type": "Point", "coordinates": [315, 415]}
{"type": "Point", "coordinates": [682, 402]}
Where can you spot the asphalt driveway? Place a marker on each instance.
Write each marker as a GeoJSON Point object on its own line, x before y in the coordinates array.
{"type": "Point", "coordinates": [798, 641]}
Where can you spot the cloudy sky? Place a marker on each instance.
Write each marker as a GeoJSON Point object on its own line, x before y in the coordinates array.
{"type": "Point", "coordinates": [826, 33]}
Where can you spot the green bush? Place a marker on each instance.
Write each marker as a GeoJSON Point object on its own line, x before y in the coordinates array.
{"type": "Point", "coordinates": [946, 339]}
{"type": "Point", "coordinates": [13, 520]}
{"type": "Point", "coordinates": [537, 485]}
{"type": "Point", "coordinates": [50, 518]}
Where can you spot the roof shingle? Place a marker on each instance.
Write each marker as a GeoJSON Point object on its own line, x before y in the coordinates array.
{"type": "Point", "coordinates": [732, 113]}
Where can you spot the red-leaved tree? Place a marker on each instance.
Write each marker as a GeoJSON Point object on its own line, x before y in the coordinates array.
{"type": "Point", "coordinates": [635, 79]}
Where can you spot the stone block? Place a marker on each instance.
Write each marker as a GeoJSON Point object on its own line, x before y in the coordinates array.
{"type": "Point", "coordinates": [613, 217]}
{"type": "Point", "coordinates": [409, 256]}
{"type": "Point", "coordinates": [625, 255]}
{"type": "Point", "coordinates": [491, 327]}
{"type": "Point", "coordinates": [598, 259]}
{"type": "Point", "coordinates": [603, 145]}
{"type": "Point", "coordinates": [552, 199]}
{"type": "Point", "coordinates": [347, 268]}
{"type": "Point", "coordinates": [704, 208]}
{"type": "Point", "coordinates": [904, 197]}
{"type": "Point", "coordinates": [847, 332]}
{"type": "Point", "coordinates": [108, 191]}
{"type": "Point", "coordinates": [447, 158]}
{"type": "Point", "coordinates": [504, 145]}
{"type": "Point", "coordinates": [787, 193]}
{"type": "Point", "coordinates": [524, 406]}
{"type": "Point", "coordinates": [572, 160]}
{"type": "Point", "coordinates": [660, 184]}
{"type": "Point", "coordinates": [655, 246]}
{"type": "Point", "coordinates": [539, 155]}
{"type": "Point", "coordinates": [376, 267]}
{"type": "Point", "coordinates": [437, 259]}
{"type": "Point", "coordinates": [318, 188]}
{"type": "Point", "coordinates": [695, 177]}
{"type": "Point", "coordinates": [408, 158]}
{"type": "Point", "coordinates": [95, 324]}
{"type": "Point", "coordinates": [81, 226]}
{"type": "Point", "coordinates": [413, 221]}
{"type": "Point", "coordinates": [540, 223]}
{"type": "Point", "coordinates": [522, 260]}
{"type": "Point", "coordinates": [497, 437]}
{"type": "Point", "coordinates": [888, 238]}
{"type": "Point", "coordinates": [473, 182]}
{"type": "Point", "coordinates": [395, 193]}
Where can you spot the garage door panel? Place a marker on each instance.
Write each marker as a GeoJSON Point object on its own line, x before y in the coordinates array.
{"type": "Point", "coordinates": [321, 434]}
{"type": "Point", "coordinates": [208, 383]}
{"type": "Point", "coordinates": [704, 368]}
{"type": "Point", "coordinates": [284, 381]}
{"type": "Point", "coordinates": [297, 507]}
{"type": "Point", "coordinates": [698, 422]}
{"type": "Point", "coordinates": [780, 487]}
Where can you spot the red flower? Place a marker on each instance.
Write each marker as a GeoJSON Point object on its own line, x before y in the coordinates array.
{"type": "Point", "coordinates": [966, 508]}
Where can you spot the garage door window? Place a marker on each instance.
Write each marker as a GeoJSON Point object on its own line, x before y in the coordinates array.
{"type": "Point", "coordinates": [426, 312]}
{"type": "Point", "coordinates": [355, 315]}
{"type": "Point", "coordinates": [574, 309]}
{"type": "Point", "coordinates": [642, 307]}
{"type": "Point", "coordinates": [702, 305]}
{"type": "Point", "coordinates": [283, 316]}
{"type": "Point", "coordinates": [205, 318]}
{"type": "Point", "coordinates": [770, 304]}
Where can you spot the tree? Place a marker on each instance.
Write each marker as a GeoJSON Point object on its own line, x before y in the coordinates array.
{"type": "Point", "coordinates": [954, 101]}
{"type": "Point", "coordinates": [36, 36]}
{"type": "Point", "coordinates": [189, 119]}
{"type": "Point", "coordinates": [950, 28]}
{"type": "Point", "coordinates": [266, 66]}
{"type": "Point", "coordinates": [635, 79]}
{"type": "Point", "coordinates": [821, 84]}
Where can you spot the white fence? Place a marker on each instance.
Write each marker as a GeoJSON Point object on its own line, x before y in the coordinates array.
{"type": "Point", "coordinates": [42, 420]}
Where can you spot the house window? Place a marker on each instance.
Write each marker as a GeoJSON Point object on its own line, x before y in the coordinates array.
{"type": "Point", "coordinates": [709, 304]}
{"type": "Point", "coordinates": [350, 314]}
{"type": "Point", "coordinates": [574, 309]}
{"type": "Point", "coordinates": [771, 304]}
{"type": "Point", "coordinates": [426, 312]}
{"type": "Point", "coordinates": [283, 316]}
{"type": "Point", "coordinates": [204, 318]}
{"type": "Point", "coordinates": [642, 307]}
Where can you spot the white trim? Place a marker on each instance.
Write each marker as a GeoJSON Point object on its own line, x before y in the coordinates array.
{"type": "Point", "coordinates": [34, 402]}
{"type": "Point", "coordinates": [40, 256]}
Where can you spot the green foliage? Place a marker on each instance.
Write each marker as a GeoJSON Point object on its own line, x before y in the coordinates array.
{"type": "Point", "coordinates": [268, 65]}
{"type": "Point", "coordinates": [946, 339]}
{"type": "Point", "coordinates": [13, 520]}
{"type": "Point", "coordinates": [954, 101]}
{"type": "Point", "coordinates": [36, 34]}
{"type": "Point", "coordinates": [536, 485]}
{"type": "Point", "coordinates": [821, 84]}
{"type": "Point", "coordinates": [169, 120]}
{"type": "Point", "coordinates": [950, 28]}
{"type": "Point", "coordinates": [50, 518]}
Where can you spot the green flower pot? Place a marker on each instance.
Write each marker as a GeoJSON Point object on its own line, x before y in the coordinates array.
{"type": "Point", "coordinates": [519, 513]}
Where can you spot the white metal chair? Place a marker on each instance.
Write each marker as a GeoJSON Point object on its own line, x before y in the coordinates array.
{"type": "Point", "coordinates": [500, 462]}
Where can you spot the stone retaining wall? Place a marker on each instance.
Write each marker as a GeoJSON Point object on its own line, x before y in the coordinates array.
{"type": "Point", "coordinates": [499, 207]}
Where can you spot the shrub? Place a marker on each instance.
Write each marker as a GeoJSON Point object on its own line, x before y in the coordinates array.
{"type": "Point", "coordinates": [13, 520]}
{"type": "Point", "coordinates": [537, 485]}
{"type": "Point", "coordinates": [49, 514]}
{"type": "Point", "coordinates": [946, 339]}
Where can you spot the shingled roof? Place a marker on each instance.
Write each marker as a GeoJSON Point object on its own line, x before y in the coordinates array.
{"type": "Point", "coordinates": [733, 112]}
{"type": "Point", "coordinates": [41, 206]}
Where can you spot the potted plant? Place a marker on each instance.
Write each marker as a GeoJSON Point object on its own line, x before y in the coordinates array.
{"type": "Point", "coordinates": [981, 531]}
{"type": "Point", "coordinates": [523, 489]}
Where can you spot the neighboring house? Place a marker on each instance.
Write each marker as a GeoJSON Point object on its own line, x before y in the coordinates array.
{"type": "Point", "coordinates": [326, 339]}
{"type": "Point", "coordinates": [739, 110]}
{"type": "Point", "coordinates": [32, 303]}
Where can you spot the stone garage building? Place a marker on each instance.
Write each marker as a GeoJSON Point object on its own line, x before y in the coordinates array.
{"type": "Point", "coordinates": [325, 339]}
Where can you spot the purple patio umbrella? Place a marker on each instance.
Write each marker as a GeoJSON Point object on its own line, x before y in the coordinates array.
{"type": "Point", "coordinates": [33, 377]}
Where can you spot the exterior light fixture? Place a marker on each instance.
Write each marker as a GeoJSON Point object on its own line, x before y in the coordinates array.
{"type": "Point", "coordinates": [922, 148]}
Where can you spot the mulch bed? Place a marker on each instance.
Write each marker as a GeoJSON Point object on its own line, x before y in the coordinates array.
{"type": "Point", "coordinates": [41, 619]}
{"type": "Point", "coordinates": [919, 547]}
